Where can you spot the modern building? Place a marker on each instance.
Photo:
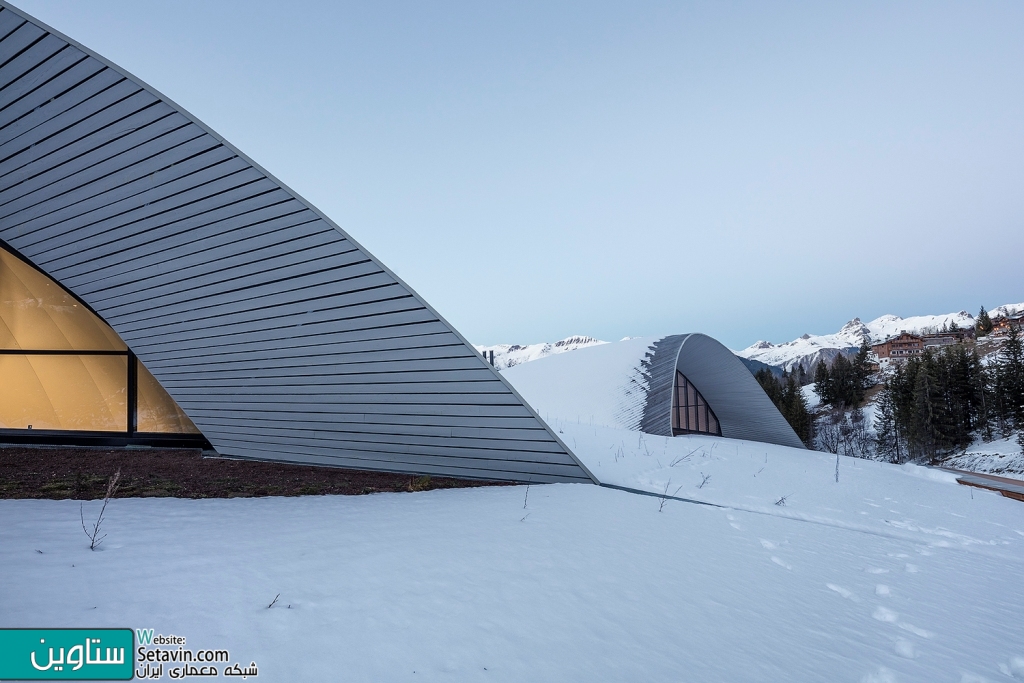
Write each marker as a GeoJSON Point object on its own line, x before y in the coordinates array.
{"type": "Point", "coordinates": [159, 287]}
{"type": "Point", "coordinates": [664, 386]}
{"type": "Point", "coordinates": [141, 250]}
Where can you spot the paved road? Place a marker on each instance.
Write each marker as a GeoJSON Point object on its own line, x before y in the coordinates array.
{"type": "Point", "coordinates": [1011, 488]}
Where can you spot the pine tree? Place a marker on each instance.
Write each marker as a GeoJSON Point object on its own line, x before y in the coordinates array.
{"type": "Point", "coordinates": [887, 431]}
{"type": "Point", "coordinates": [983, 323]}
{"type": "Point", "coordinates": [930, 428]}
{"type": "Point", "coordinates": [1011, 369]}
{"type": "Point", "coordinates": [981, 390]}
{"type": "Point", "coordinates": [794, 409]}
{"type": "Point", "coordinates": [823, 382]}
{"type": "Point", "coordinates": [771, 385]}
{"type": "Point", "coordinates": [861, 373]}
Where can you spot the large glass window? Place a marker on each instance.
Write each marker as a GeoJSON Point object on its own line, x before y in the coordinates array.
{"type": "Point", "coordinates": [63, 369]}
{"type": "Point", "coordinates": [690, 412]}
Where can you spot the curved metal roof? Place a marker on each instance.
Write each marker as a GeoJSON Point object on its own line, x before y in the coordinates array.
{"type": "Point", "coordinates": [278, 334]}
{"type": "Point", "coordinates": [744, 411]}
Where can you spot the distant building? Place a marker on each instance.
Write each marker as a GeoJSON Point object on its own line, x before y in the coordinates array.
{"type": "Point", "coordinates": [949, 338]}
{"type": "Point", "coordinates": [1001, 325]}
{"type": "Point", "coordinates": [899, 348]}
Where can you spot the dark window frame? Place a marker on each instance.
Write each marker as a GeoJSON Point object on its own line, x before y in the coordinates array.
{"type": "Point", "coordinates": [688, 403]}
{"type": "Point", "coordinates": [131, 435]}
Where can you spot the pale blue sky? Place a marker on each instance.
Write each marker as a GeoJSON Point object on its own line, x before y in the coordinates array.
{"type": "Point", "coordinates": [534, 170]}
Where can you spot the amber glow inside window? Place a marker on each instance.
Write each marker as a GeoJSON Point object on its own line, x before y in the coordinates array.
{"type": "Point", "coordinates": [690, 412]}
{"type": "Point", "coordinates": [62, 368]}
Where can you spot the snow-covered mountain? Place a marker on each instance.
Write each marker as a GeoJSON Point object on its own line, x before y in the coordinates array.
{"type": "Point", "coordinates": [1008, 309]}
{"type": "Point", "coordinates": [810, 349]}
{"type": "Point", "coordinates": [509, 355]}
{"type": "Point", "coordinates": [806, 350]}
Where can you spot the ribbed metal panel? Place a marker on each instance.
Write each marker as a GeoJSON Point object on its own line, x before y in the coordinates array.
{"type": "Point", "coordinates": [743, 409]}
{"type": "Point", "coordinates": [660, 368]}
{"type": "Point", "coordinates": [279, 335]}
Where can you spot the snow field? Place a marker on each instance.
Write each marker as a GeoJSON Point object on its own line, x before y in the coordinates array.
{"type": "Point", "coordinates": [583, 584]}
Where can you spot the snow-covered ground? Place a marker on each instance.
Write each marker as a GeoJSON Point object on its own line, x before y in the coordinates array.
{"type": "Point", "coordinates": [999, 456]}
{"type": "Point", "coordinates": [893, 574]}
{"type": "Point", "coordinates": [809, 348]}
{"type": "Point", "coordinates": [725, 560]}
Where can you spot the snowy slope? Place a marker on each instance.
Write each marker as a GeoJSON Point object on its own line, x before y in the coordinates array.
{"type": "Point", "coordinates": [999, 456]}
{"type": "Point", "coordinates": [602, 385]}
{"type": "Point", "coordinates": [509, 355]}
{"type": "Point", "coordinates": [890, 575]}
{"type": "Point", "coordinates": [1008, 309]}
{"type": "Point", "coordinates": [809, 349]}
{"type": "Point", "coordinates": [724, 561]}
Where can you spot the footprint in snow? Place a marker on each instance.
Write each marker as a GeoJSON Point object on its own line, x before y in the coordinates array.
{"type": "Point", "coordinates": [888, 616]}
{"type": "Point", "coordinates": [912, 568]}
{"type": "Point", "coordinates": [915, 630]}
{"type": "Point", "coordinates": [905, 648]}
{"type": "Point", "coordinates": [883, 675]}
{"type": "Point", "coordinates": [846, 593]}
{"type": "Point", "coordinates": [885, 614]}
{"type": "Point", "coordinates": [876, 570]}
{"type": "Point", "coordinates": [1015, 668]}
{"type": "Point", "coordinates": [768, 545]}
{"type": "Point", "coordinates": [781, 563]}
{"type": "Point", "coordinates": [883, 590]}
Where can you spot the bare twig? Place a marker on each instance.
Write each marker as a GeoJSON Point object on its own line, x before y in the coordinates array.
{"type": "Point", "coordinates": [94, 536]}
{"type": "Point", "coordinates": [664, 496]}
{"type": "Point", "coordinates": [781, 502]}
{"type": "Point", "coordinates": [684, 458]}
{"type": "Point", "coordinates": [706, 479]}
{"type": "Point", "coordinates": [527, 496]}
{"type": "Point", "coordinates": [274, 601]}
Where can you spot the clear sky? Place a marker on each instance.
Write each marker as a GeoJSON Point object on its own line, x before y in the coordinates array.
{"type": "Point", "coordinates": [535, 170]}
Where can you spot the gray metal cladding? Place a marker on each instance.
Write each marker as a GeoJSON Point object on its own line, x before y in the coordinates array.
{"type": "Point", "coordinates": [660, 368]}
{"type": "Point", "coordinates": [277, 334]}
{"type": "Point", "coordinates": [743, 409]}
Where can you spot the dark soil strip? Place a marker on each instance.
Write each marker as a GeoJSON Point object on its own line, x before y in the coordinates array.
{"type": "Point", "coordinates": [82, 474]}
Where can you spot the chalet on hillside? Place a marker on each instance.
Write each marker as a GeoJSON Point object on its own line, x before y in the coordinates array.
{"type": "Point", "coordinates": [1001, 325]}
{"type": "Point", "coordinates": [901, 347]}
{"type": "Point", "coordinates": [949, 338]}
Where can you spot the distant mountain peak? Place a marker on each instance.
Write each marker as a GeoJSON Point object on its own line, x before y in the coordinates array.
{"type": "Point", "coordinates": [809, 349]}
{"type": "Point", "coordinates": [509, 355]}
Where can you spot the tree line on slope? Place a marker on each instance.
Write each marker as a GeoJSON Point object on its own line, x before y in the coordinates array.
{"type": "Point", "coordinates": [933, 404]}
{"type": "Point", "coordinates": [940, 401]}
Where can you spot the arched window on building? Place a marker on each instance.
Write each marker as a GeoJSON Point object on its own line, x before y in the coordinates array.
{"type": "Point", "coordinates": [691, 414]}
{"type": "Point", "coordinates": [63, 369]}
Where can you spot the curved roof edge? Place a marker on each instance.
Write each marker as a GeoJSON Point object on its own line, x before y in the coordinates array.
{"type": "Point", "coordinates": [493, 374]}
{"type": "Point", "coordinates": [744, 411]}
